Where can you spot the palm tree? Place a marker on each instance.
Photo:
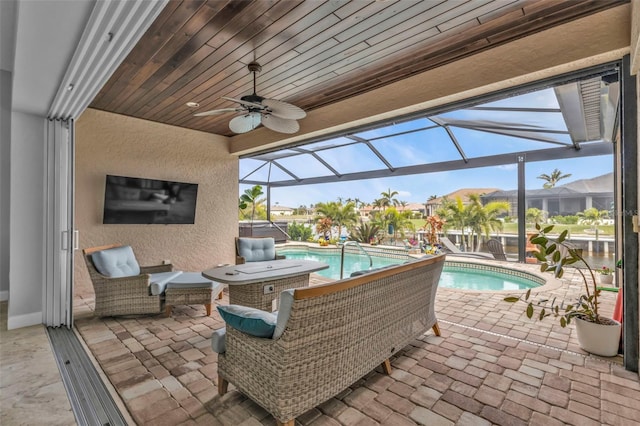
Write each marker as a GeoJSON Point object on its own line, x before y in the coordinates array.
{"type": "Point", "coordinates": [593, 216]}
{"type": "Point", "coordinates": [484, 219]}
{"type": "Point", "coordinates": [388, 198]}
{"type": "Point", "coordinates": [340, 215]}
{"type": "Point", "coordinates": [378, 204]}
{"type": "Point", "coordinates": [457, 216]}
{"type": "Point", "coordinates": [473, 217]}
{"type": "Point", "coordinates": [551, 180]}
{"type": "Point", "coordinates": [392, 220]}
{"type": "Point", "coordinates": [251, 196]}
{"type": "Point", "coordinates": [534, 215]}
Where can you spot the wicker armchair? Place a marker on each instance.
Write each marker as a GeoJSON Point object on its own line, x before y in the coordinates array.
{"type": "Point", "coordinates": [334, 334]}
{"type": "Point", "coordinates": [127, 295]}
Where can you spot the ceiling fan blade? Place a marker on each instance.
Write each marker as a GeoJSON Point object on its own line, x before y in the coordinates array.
{"type": "Point", "coordinates": [246, 103]}
{"type": "Point", "coordinates": [280, 125]}
{"type": "Point", "coordinates": [284, 109]}
{"type": "Point", "coordinates": [245, 123]}
{"type": "Point", "coordinates": [217, 111]}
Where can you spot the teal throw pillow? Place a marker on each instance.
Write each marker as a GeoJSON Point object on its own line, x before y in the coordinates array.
{"type": "Point", "coordinates": [249, 320]}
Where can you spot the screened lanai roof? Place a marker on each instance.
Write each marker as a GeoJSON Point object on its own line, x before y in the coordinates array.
{"type": "Point", "coordinates": [566, 121]}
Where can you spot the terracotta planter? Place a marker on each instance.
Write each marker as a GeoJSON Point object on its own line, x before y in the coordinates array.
{"type": "Point", "coordinates": [599, 339]}
{"type": "Point", "coordinates": [606, 279]}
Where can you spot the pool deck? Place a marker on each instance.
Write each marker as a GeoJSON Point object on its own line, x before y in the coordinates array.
{"type": "Point", "coordinates": [490, 366]}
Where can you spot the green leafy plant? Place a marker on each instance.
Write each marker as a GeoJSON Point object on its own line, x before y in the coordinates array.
{"type": "Point", "coordinates": [364, 232]}
{"type": "Point", "coordinates": [299, 232]}
{"type": "Point", "coordinates": [554, 255]}
{"type": "Point", "coordinates": [605, 270]}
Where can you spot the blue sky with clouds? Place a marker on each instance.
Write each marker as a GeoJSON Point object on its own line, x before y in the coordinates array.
{"type": "Point", "coordinates": [432, 146]}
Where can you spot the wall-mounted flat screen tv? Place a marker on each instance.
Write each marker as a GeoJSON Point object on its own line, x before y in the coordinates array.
{"type": "Point", "coordinates": [148, 201]}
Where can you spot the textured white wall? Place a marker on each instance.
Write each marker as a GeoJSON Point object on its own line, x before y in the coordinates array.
{"type": "Point", "coordinates": [113, 144]}
{"type": "Point", "coordinates": [26, 210]}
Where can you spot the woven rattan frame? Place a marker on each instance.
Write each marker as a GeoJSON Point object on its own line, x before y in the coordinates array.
{"type": "Point", "coordinates": [191, 296]}
{"type": "Point", "coordinates": [253, 294]}
{"type": "Point", "coordinates": [123, 296]}
{"type": "Point", "coordinates": [336, 334]}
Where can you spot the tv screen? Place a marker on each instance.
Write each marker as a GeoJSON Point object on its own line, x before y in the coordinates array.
{"type": "Point", "coordinates": [148, 201]}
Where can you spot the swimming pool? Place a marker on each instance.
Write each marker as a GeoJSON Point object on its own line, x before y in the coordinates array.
{"type": "Point", "coordinates": [352, 262]}
{"type": "Point", "coordinates": [483, 277]}
{"type": "Point", "coordinates": [455, 275]}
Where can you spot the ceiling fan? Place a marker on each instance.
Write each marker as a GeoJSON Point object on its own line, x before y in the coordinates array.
{"type": "Point", "coordinates": [276, 115]}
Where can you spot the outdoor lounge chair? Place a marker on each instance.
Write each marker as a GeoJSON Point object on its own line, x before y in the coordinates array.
{"type": "Point", "coordinates": [496, 249]}
{"type": "Point", "coordinates": [256, 250]}
{"type": "Point", "coordinates": [453, 249]}
{"type": "Point", "coordinates": [125, 291]}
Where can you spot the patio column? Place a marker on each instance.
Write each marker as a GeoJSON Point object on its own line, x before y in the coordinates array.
{"type": "Point", "coordinates": [522, 224]}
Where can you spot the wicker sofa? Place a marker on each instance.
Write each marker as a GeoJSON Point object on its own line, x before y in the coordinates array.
{"type": "Point", "coordinates": [331, 336]}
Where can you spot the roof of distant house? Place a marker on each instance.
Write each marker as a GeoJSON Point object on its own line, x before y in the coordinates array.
{"type": "Point", "coordinates": [599, 184]}
{"type": "Point", "coordinates": [602, 183]}
{"type": "Point", "coordinates": [463, 194]}
{"type": "Point", "coordinates": [280, 208]}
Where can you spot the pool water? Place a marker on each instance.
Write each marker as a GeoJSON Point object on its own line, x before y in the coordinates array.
{"type": "Point", "coordinates": [456, 277]}
{"type": "Point", "coordinates": [352, 262]}
{"type": "Point", "coordinates": [473, 279]}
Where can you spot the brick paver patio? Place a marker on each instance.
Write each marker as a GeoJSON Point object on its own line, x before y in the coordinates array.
{"type": "Point", "coordinates": [490, 366]}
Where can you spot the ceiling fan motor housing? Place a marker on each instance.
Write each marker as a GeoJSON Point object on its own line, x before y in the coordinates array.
{"type": "Point", "coordinates": [252, 98]}
{"type": "Point", "coordinates": [254, 67]}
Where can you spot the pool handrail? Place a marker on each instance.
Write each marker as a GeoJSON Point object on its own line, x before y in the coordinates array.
{"type": "Point", "coordinates": [347, 243]}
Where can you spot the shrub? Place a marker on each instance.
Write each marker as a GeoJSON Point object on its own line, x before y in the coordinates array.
{"type": "Point", "coordinates": [299, 232]}
{"type": "Point", "coordinates": [364, 232]}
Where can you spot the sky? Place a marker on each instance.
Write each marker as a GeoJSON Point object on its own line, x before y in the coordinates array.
{"type": "Point", "coordinates": [432, 146]}
{"type": "Point", "coordinates": [418, 188]}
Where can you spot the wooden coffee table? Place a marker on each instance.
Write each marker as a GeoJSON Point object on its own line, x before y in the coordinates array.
{"type": "Point", "coordinates": [258, 284]}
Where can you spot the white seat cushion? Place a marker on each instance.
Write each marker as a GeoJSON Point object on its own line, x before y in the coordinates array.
{"type": "Point", "coordinates": [159, 281]}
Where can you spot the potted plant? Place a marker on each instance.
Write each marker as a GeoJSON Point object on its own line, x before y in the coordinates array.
{"type": "Point", "coordinates": [596, 334]}
{"type": "Point", "coordinates": [606, 275]}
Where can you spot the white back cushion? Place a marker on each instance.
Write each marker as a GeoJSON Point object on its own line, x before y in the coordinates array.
{"type": "Point", "coordinates": [116, 262]}
{"type": "Point", "coordinates": [284, 311]}
{"type": "Point", "coordinates": [257, 249]}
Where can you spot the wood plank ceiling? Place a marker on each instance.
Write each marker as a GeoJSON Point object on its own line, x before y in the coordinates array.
{"type": "Point", "coordinates": [313, 53]}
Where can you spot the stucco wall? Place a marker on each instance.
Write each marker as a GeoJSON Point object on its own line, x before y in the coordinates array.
{"type": "Point", "coordinates": [113, 144]}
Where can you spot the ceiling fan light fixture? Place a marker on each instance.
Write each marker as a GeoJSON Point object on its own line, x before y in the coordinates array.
{"type": "Point", "coordinates": [192, 104]}
{"type": "Point", "coordinates": [276, 115]}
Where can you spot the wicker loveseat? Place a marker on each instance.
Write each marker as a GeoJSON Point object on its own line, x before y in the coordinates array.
{"type": "Point", "coordinates": [330, 336]}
